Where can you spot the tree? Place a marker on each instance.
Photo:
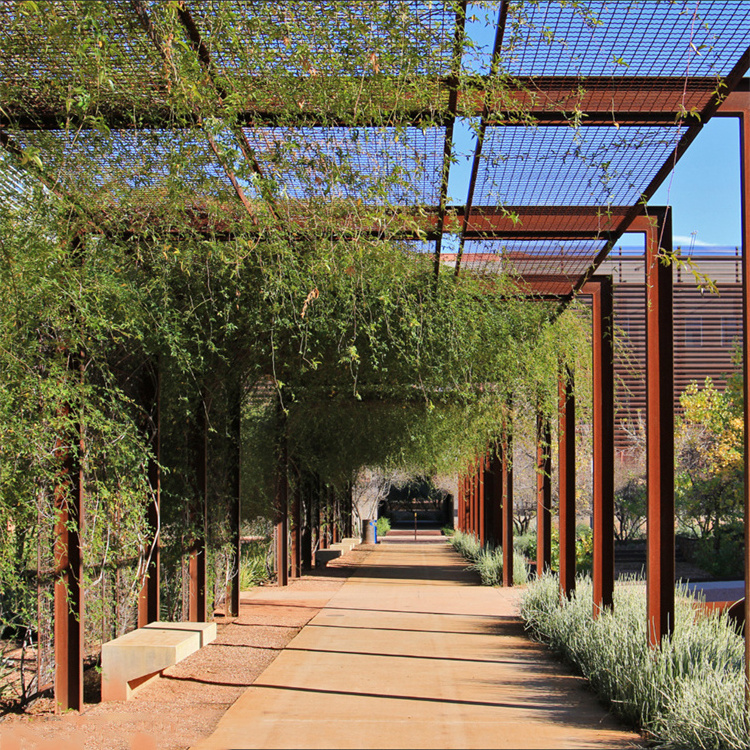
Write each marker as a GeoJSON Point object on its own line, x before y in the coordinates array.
{"type": "Point", "coordinates": [709, 449]}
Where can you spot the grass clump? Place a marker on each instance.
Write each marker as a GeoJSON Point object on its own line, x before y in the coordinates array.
{"type": "Point", "coordinates": [688, 693]}
{"type": "Point", "coordinates": [488, 560]}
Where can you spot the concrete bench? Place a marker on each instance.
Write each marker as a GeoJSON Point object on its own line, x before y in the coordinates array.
{"type": "Point", "coordinates": [324, 556]}
{"type": "Point", "coordinates": [131, 660]}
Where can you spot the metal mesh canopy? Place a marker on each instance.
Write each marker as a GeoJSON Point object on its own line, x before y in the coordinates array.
{"type": "Point", "coordinates": [289, 109]}
{"type": "Point", "coordinates": [565, 260]}
{"type": "Point", "coordinates": [564, 166]}
{"type": "Point", "coordinates": [629, 39]}
{"type": "Point", "coordinates": [251, 38]}
{"type": "Point", "coordinates": [394, 166]}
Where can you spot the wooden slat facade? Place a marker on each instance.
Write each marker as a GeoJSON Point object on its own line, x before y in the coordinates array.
{"type": "Point", "coordinates": [707, 329]}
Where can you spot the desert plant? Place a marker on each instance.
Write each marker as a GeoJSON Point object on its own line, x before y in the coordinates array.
{"type": "Point", "coordinates": [688, 693]}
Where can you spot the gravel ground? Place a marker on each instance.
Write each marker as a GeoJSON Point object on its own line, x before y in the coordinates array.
{"type": "Point", "coordinates": [184, 705]}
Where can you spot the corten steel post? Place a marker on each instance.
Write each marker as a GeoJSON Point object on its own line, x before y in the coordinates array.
{"type": "Point", "coordinates": [148, 597]}
{"type": "Point", "coordinates": [307, 537]}
{"type": "Point", "coordinates": [68, 625]}
{"type": "Point", "coordinates": [281, 528]}
{"type": "Point", "coordinates": [507, 485]}
{"type": "Point", "coordinates": [295, 553]}
{"type": "Point", "coordinates": [543, 495]}
{"type": "Point", "coordinates": [489, 501]}
{"type": "Point", "coordinates": [335, 515]}
{"type": "Point", "coordinates": [315, 512]}
{"type": "Point", "coordinates": [197, 601]}
{"type": "Point", "coordinates": [235, 520]}
{"type": "Point", "coordinates": [481, 532]}
{"type": "Point", "coordinates": [745, 183]}
{"type": "Point", "coordinates": [496, 469]}
{"type": "Point", "coordinates": [659, 429]}
{"type": "Point", "coordinates": [603, 577]}
{"type": "Point", "coordinates": [566, 471]}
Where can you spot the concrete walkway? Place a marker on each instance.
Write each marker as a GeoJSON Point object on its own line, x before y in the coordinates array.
{"type": "Point", "coordinates": [412, 653]}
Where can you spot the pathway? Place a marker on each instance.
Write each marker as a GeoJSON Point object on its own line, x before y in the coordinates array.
{"type": "Point", "coordinates": [412, 653]}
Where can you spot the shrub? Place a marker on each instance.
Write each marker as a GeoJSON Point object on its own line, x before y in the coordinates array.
{"type": "Point", "coordinates": [383, 526]}
{"type": "Point", "coordinates": [689, 693]}
{"type": "Point", "coordinates": [488, 560]}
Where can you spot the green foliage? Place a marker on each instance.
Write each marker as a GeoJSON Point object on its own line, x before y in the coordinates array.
{"type": "Point", "coordinates": [709, 450]}
{"type": "Point", "coordinates": [688, 693]}
{"type": "Point", "coordinates": [630, 508]}
{"type": "Point", "coordinates": [488, 560]}
{"type": "Point", "coordinates": [254, 564]}
{"type": "Point", "coordinates": [383, 526]}
{"type": "Point", "coordinates": [721, 552]}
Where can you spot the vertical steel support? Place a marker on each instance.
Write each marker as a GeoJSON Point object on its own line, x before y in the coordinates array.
{"type": "Point", "coordinates": [566, 451]}
{"type": "Point", "coordinates": [543, 495]}
{"type": "Point", "coordinates": [604, 444]}
{"type": "Point", "coordinates": [489, 501]}
{"type": "Point", "coordinates": [295, 553]}
{"type": "Point", "coordinates": [307, 527]}
{"type": "Point", "coordinates": [149, 595]}
{"type": "Point", "coordinates": [68, 579]}
{"type": "Point", "coordinates": [235, 520]}
{"type": "Point", "coordinates": [496, 469]}
{"type": "Point", "coordinates": [659, 430]}
{"type": "Point", "coordinates": [481, 508]}
{"type": "Point", "coordinates": [197, 602]}
{"type": "Point", "coordinates": [745, 203]}
{"type": "Point", "coordinates": [315, 506]}
{"type": "Point", "coordinates": [507, 469]}
{"type": "Point", "coordinates": [281, 530]}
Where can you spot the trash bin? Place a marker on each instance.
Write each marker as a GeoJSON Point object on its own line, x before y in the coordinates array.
{"type": "Point", "coordinates": [368, 531]}
{"type": "Point", "coordinates": [374, 525]}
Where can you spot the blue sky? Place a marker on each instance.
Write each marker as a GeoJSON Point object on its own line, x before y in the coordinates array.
{"type": "Point", "coordinates": [704, 189]}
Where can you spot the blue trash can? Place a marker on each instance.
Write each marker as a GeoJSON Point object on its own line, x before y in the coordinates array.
{"type": "Point", "coordinates": [374, 525]}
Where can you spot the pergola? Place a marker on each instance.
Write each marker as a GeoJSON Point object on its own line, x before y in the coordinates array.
{"type": "Point", "coordinates": [577, 116]}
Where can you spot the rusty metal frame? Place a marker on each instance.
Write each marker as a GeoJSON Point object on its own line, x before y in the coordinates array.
{"type": "Point", "coordinates": [507, 508]}
{"type": "Point", "coordinates": [281, 525]}
{"type": "Point", "coordinates": [566, 472]}
{"type": "Point", "coordinates": [601, 290]}
{"type": "Point", "coordinates": [149, 596]}
{"type": "Point", "coordinates": [543, 495]}
{"type": "Point", "coordinates": [481, 506]}
{"type": "Point", "coordinates": [659, 423]}
{"type": "Point", "coordinates": [197, 569]}
{"type": "Point", "coordinates": [68, 604]}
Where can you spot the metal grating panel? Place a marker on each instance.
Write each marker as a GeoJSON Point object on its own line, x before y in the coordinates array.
{"type": "Point", "coordinates": [637, 38]}
{"type": "Point", "coordinates": [126, 162]}
{"type": "Point", "coordinates": [375, 165]}
{"type": "Point", "coordinates": [528, 258]}
{"type": "Point", "coordinates": [301, 38]}
{"type": "Point", "coordinates": [596, 165]}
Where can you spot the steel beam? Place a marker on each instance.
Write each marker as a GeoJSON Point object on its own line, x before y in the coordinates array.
{"type": "Point", "coordinates": [543, 495]}
{"type": "Point", "coordinates": [659, 428]}
{"type": "Point", "coordinates": [566, 452]}
{"type": "Point", "coordinates": [604, 440]}
{"type": "Point", "coordinates": [600, 100]}
{"type": "Point", "coordinates": [149, 595]}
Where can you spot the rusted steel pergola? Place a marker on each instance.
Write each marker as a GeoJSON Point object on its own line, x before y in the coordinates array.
{"type": "Point", "coordinates": [535, 205]}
